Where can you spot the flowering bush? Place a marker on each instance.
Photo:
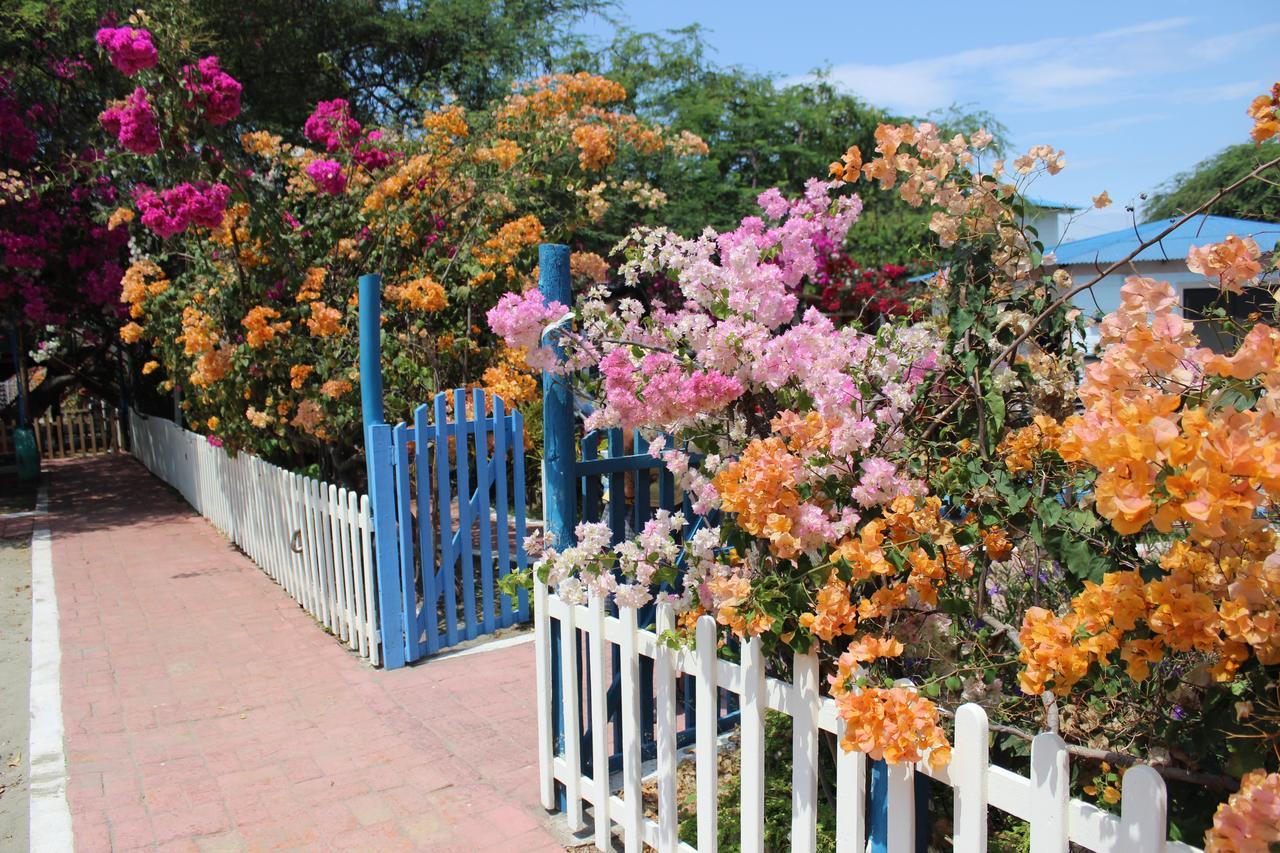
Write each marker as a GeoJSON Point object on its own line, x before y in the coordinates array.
{"type": "Point", "coordinates": [916, 494]}
{"type": "Point", "coordinates": [246, 248]}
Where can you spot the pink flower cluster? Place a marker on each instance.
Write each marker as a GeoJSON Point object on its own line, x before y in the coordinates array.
{"type": "Point", "coordinates": [331, 125]}
{"type": "Point", "coordinates": [133, 123]}
{"type": "Point", "coordinates": [661, 391]}
{"type": "Point", "coordinates": [130, 49]}
{"type": "Point", "coordinates": [215, 91]}
{"type": "Point", "coordinates": [328, 176]}
{"type": "Point", "coordinates": [520, 318]}
{"type": "Point", "coordinates": [172, 211]}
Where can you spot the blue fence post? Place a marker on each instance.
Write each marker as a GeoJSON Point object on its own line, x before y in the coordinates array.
{"type": "Point", "coordinates": [559, 453]}
{"type": "Point", "coordinates": [878, 813]}
{"type": "Point", "coordinates": [559, 458]}
{"type": "Point", "coordinates": [380, 465]}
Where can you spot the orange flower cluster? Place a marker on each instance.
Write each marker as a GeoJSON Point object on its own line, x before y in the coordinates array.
{"type": "Point", "coordinates": [1265, 112]}
{"type": "Point", "coordinates": [309, 418]}
{"type": "Point", "coordinates": [450, 121]}
{"type": "Point", "coordinates": [894, 724]}
{"type": "Point", "coordinates": [1219, 598]}
{"type": "Point", "coordinates": [312, 281]}
{"type": "Point", "coordinates": [324, 321]}
{"type": "Point", "coordinates": [1021, 447]}
{"type": "Point", "coordinates": [141, 280]}
{"type": "Point", "coordinates": [558, 94]}
{"type": "Point", "coordinates": [1208, 469]}
{"type": "Point", "coordinates": [261, 330]}
{"type": "Point", "coordinates": [131, 332]}
{"type": "Point", "coordinates": [906, 524]}
{"type": "Point", "coordinates": [595, 146]}
{"type": "Point", "coordinates": [1249, 821]}
{"type": "Point", "coordinates": [732, 594]}
{"type": "Point", "coordinates": [335, 388]}
{"type": "Point", "coordinates": [420, 294]}
{"type": "Point", "coordinates": [504, 153]}
{"type": "Point", "coordinates": [760, 489]}
{"type": "Point", "coordinates": [298, 375]}
{"type": "Point", "coordinates": [503, 248]}
{"type": "Point", "coordinates": [590, 266]}
{"type": "Point", "coordinates": [510, 378]}
{"type": "Point", "coordinates": [1233, 262]}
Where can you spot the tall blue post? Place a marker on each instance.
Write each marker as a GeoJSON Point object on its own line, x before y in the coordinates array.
{"type": "Point", "coordinates": [559, 459]}
{"type": "Point", "coordinates": [559, 453]}
{"type": "Point", "coordinates": [380, 464]}
{"type": "Point", "coordinates": [878, 813]}
{"type": "Point", "coordinates": [371, 349]}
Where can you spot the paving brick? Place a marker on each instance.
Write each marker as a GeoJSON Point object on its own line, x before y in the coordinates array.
{"type": "Point", "coordinates": [205, 711]}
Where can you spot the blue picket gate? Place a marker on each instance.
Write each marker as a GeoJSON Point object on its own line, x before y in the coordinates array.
{"type": "Point", "coordinates": [448, 500]}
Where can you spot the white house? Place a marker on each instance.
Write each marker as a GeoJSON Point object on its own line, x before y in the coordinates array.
{"type": "Point", "coordinates": [1165, 260]}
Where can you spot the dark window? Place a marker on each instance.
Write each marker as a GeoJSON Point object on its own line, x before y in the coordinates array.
{"type": "Point", "coordinates": [1215, 333]}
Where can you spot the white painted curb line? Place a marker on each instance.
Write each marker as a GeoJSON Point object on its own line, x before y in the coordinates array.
{"type": "Point", "coordinates": [50, 814]}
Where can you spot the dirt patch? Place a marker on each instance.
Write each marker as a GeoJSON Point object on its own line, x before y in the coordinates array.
{"type": "Point", "coordinates": [15, 675]}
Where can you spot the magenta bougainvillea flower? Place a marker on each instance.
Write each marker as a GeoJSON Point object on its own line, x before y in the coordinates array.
{"type": "Point", "coordinates": [172, 211]}
{"type": "Point", "coordinates": [217, 93]}
{"type": "Point", "coordinates": [133, 123]}
{"type": "Point", "coordinates": [328, 176]}
{"type": "Point", "coordinates": [130, 49]}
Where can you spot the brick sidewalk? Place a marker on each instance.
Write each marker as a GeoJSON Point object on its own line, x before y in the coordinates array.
{"type": "Point", "coordinates": [204, 710]}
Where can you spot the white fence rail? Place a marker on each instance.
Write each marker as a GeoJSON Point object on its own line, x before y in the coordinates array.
{"type": "Point", "coordinates": [312, 538]}
{"type": "Point", "coordinates": [1043, 800]}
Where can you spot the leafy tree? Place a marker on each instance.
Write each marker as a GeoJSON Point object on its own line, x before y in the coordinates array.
{"type": "Point", "coordinates": [387, 58]}
{"type": "Point", "coordinates": [1188, 190]}
{"type": "Point", "coordinates": [760, 132]}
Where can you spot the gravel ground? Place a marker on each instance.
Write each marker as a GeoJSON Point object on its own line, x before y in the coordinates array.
{"type": "Point", "coordinates": [15, 661]}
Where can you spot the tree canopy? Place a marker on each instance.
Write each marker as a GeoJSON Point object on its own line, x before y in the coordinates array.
{"type": "Point", "coordinates": [1188, 190]}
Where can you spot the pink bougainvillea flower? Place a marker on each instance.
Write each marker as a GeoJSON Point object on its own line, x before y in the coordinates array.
{"type": "Point", "coordinates": [216, 92]}
{"type": "Point", "coordinates": [172, 211]}
{"type": "Point", "coordinates": [133, 123]}
{"type": "Point", "coordinates": [331, 125]}
{"type": "Point", "coordinates": [328, 176]}
{"type": "Point", "coordinates": [130, 49]}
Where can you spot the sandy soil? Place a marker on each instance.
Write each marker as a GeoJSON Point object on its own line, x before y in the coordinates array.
{"type": "Point", "coordinates": [15, 666]}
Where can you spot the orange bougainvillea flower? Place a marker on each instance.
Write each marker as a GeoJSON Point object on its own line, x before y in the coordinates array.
{"type": "Point", "coordinates": [1233, 262]}
{"type": "Point", "coordinates": [1249, 821]}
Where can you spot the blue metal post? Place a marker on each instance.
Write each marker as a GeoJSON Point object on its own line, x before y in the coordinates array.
{"type": "Point", "coordinates": [560, 456]}
{"type": "Point", "coordinates": [878, 813]}
{"type": "Point", "coordinates": [371, 349]}
{"type": "Point", "coordinates": [379, 456]}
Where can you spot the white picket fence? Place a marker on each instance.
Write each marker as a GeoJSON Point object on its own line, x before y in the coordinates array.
{"type": "Point", "coordinates": [1043, 800]}
{"type": "Point", "coordinates": [311, 537]}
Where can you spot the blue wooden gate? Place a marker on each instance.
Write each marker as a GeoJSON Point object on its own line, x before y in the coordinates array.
{"type": "Point", "coordinates": [449, 497]}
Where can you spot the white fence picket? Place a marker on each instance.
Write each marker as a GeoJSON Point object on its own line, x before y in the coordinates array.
{"type": "Point", "coordinates": [1043, 800]}
{"type": "Point", "coordinates": [312, 538]}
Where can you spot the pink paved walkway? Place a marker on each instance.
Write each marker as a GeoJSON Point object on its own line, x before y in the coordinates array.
{"type": "Point", "coordinates": [205, 711]}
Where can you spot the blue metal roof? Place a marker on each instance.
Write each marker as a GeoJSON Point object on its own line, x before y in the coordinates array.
{"type": "Point", "coordinates": [1196, 231]}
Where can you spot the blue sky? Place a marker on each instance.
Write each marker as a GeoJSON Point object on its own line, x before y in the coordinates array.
{"type": "Point", "coordinates": [1132, 91]}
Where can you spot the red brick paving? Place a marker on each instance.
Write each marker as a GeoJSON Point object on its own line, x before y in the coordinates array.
{"type": "Point", "coordinates": [205, 711]}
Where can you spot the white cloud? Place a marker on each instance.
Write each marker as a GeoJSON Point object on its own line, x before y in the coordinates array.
{"type": "Point", "coordinates": [1048, 74]}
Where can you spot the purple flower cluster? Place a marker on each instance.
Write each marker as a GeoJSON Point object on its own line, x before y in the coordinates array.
{"type": "Point", "coordinates": [130, 49]}
{"type": "Point", "coordinates": [331, 125]}
{"type": "Point", "coordinates": [172, 211]}
{"type": "Point", "coordinates": [216, 92]}
{"type": "Point", "coordinates": [133, 123]}
{"type": "Point", "coordinates": [328, 176]}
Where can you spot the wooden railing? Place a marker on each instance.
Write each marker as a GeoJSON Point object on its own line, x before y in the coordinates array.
{"type": "Point", "coordinates": [97, 429]}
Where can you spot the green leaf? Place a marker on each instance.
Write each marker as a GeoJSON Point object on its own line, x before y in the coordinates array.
{"type": "Point", "coordinates": [1050, 512]}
